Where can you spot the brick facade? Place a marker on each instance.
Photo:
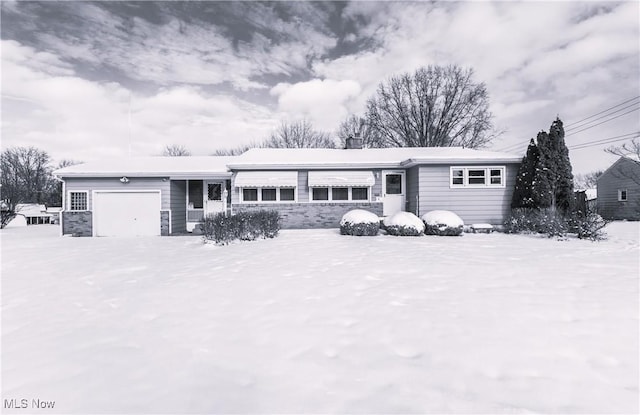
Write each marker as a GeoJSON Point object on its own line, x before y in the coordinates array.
{"type": "Point", "coordinates": [310, 215]}
{"type": "Point", "coordinates": [77, 223]}
{"type": "Point", "coordinates": [164, 222]}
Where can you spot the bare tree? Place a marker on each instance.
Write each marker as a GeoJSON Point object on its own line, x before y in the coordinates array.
{"type": "Point", "coordinates": [236, 151]}
{"type": "Point", "coordinates": [587, 180]}
{"type": "Point", "coordinates": [433, 107]}
{"type": "Point", "coordinates": [25, 177]}
{"type": "Point", "coordinates": [299, 134]}
{"type": "Point", "coordinates": [354, 126]}
{"type": "Point", "coordinates": [631, 148]}
{"type": "Point", "coordinates": [175, 150]}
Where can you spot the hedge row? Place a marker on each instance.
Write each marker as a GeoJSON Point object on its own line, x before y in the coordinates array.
{"type": "Point", "coordinates": [243, 226]}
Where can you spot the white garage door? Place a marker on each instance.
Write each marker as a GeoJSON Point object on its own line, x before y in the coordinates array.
{"type": "Point", "coordinates": [126, 213]}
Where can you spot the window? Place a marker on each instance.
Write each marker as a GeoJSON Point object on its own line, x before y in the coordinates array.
{"type": "Point", "coordinates": [457, 177]}
{"type": "Point", "coordinates": [622, 195]}
{"type": "Point", "coordinates": [267, 194]}
{"type": "Point", "coordinates": [77, 200]}
{"type": "Point", "coordinates": [477, 176]}
{"type": "Point", "coordinates": [320, 193]}
{"type": "Point", "coordinates": [249, 195]}
{"type": "Point", "coordinates": [394, 184]}
{"type": "Point", "coordinates": [195, 194]}
{"type": "Point", "coordinates": [340, 193]}
{"type": "Point", "coordinates": [360, 193]}
{"type": "Point", "coordinates": [287, 194]}
{"type": "Point", "coordinates": [496, 176]}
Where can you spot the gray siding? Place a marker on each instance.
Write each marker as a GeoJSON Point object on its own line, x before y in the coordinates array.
{"type": "Point", "coordinates": [412, 188]}
{"type": "Point", "coordinates": [113, 183]}
{"type": "Point", "coordinates": [623, 174]}
{"type": "Point", "coordinates": [473, 205]}
{"type": "Point", "coordinates": [178, 202]}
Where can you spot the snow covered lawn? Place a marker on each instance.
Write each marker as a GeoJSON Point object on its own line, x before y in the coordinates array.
{"type": "Point", "coordinates": [317, 322]}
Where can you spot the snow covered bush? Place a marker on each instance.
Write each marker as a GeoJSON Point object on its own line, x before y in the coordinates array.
{"type": "Point", "coordinates": [359, 222]}
{"type": "Point", "coordinates": [404, 224]}
{"type": "Point", "coordinates": [590, 226]}
{"type": "Point", "coordinates": [244, 226]}
{"type": "Point", "coordinates": [545, 221]}
{"type": "Point", "coordinates": [442, 223]}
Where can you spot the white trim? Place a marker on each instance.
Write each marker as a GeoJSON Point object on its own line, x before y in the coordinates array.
{"type": "Point", "coordinates": [94, 192]}
{"type": "Point", "coordinates": [86, 192]}
{"type": "Point", "coordinates": [487, 175]}
{"type": "Point", "coordinates": [626, 195]}
{"type": "Point", "coordinates": [267, 202]}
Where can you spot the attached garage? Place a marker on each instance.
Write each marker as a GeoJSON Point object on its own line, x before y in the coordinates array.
{"type": "Point", "coordinates": [132, 213]}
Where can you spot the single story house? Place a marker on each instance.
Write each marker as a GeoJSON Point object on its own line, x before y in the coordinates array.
{"type": "Point", "coordinates": [311, 188]}
{"type": "Point", "coordinates": [619, 190]}
{"type": "Point", "coordinates": [36, 214]}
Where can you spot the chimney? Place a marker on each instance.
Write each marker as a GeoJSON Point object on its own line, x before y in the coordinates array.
{"type": "Point", "coordinates": [353, 142]}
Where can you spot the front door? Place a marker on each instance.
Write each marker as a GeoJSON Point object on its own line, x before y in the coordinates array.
{"type": "Point", "coordinates": [213, 200]}
{"type": "Point", "coordinates": [393, 192]}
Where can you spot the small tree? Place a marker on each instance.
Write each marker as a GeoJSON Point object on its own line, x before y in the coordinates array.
{"type": "Point", "coordinates": [175, 150]}
{"type": "Point", "coordinates": [236, 151]}
{"type": "Point", "coordinates": [586, 180]}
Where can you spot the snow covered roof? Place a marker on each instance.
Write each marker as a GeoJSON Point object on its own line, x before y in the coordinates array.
{"type": "Point", "coordinates": [365, 158]}
{"type": "Point", "coordinates": [31, 209]}
{"type": "Point", "coordinates": [288, 158]}
{"type": "Point", "coordinates": [150, 167]}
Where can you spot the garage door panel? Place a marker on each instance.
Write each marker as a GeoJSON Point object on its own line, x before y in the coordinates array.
{"type": "Point", "coordinates": [127, 213]}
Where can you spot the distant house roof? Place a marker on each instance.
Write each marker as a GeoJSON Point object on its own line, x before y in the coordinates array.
{"type": "Point", "coordinates": [150, 167]}
{"type": "Point", "coordinates": [32, 210]}
{"type": "Point", "coordinates": [268, 158]}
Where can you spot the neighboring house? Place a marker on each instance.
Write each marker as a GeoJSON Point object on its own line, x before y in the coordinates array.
{"type": "Point", "coordinates": [311, 188]}
{"type": "Point", "coordinates": [35, 214]}
{"type": "Point", "coordinates": [619, 190]}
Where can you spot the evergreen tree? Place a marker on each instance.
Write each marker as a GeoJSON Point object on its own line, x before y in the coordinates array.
{"type": "Point", "coordinates": [554, 185]}
{"type": "Point", "coordinates": [523, 196]}
{"type": "Point", "coordinates": [544, 173]}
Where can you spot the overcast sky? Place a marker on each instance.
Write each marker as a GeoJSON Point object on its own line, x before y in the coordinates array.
{"type": "Point", "coordinates": [89, 80]}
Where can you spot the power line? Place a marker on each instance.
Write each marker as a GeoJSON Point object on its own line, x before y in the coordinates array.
{"type": "Point", "coordinates": [602, 116]}
{"type": "Point", "coordinates": [610, 108]}
{"type": "Point", "coordinates": [595, 125]}
{"type": "Point", "coordinates": [604, 141]}
{"type": "Point", "coordinates": [519, 145]}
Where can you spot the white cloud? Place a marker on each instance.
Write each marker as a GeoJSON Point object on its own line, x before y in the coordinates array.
{"type": "Point", "coordinates": [71, 117]}
{"type": "Point", "coordinates": [324, 102]}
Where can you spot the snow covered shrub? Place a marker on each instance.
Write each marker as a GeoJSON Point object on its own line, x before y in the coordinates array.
{"type": "Point", "coordinates": [404, 224]}
{"type": "Point", "coordinates": [590, 226]}
{"type": "Point", "coordinates": [359, 222]}
{"type": "Point", "coordinates": [244, 226]}
{"type": "Point", "coordinates": [545, 221]}
{"type": "Point", "coordinates": [443, 223]}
